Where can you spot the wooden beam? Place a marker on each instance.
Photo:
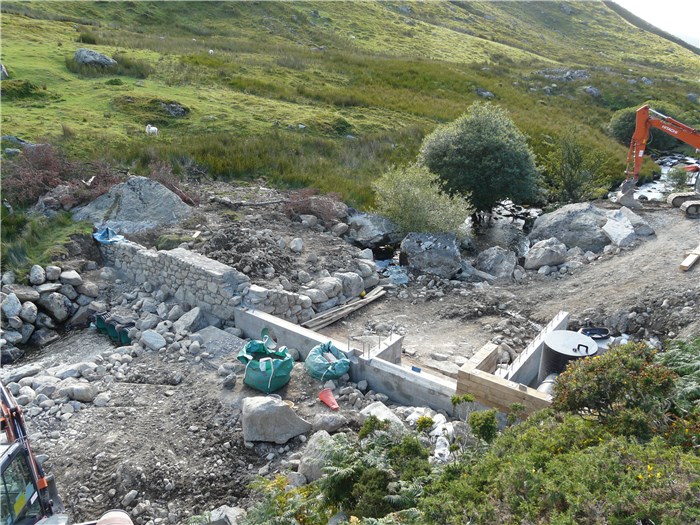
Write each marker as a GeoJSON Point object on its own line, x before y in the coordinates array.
{"type": "Point", "coordinates": [335, 314]}
{"type": "Point", "coordinates": [691, 259]}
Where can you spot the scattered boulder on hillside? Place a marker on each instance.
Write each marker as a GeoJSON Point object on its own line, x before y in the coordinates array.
{"type": "Point", "coordinates": [4, 75]}
{"type": "Point", "coordinates": [693, 97]}
{"type": "Point", "coordinates": [497, 261]}
{"type": "Point", "coordinates": [564, 75]}
{"type": "Point", "coordinates": [429, 253]}
{"type": "Point", "coordinates": [575, 225]}
{"type": "Point", "coordinates": [89, 57]}
{"type": "Point", "coordinates": [483, 93]}
{"type": "Point", "coordinates": [549, 252]}
{"type": "Point", "coordinates": [592, 91]}
{"type": "Point", "coordinates": [316, 456]}
{"type": "Point", "coordinates": [367, 230]}
{"type": "Point", "coordinates": [174, 109]}
{"type": "Point", "coordinates": [133, 206]}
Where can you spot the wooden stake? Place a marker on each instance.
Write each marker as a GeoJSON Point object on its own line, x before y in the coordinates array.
{"type": "Point", "coordinates": [691, 259]}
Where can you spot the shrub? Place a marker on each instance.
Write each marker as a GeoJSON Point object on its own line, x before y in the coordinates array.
{"type": "Point", "coordinates": [412, 197]}
{"type": "Point", "coordinates": [482, 154]}
{"type": "Point", "coordinates": [678, 179]}
{"type": "Point", "coordinates": [20, 89]}
{"type": "Point", "coordinates": [39, 169]}
{"type": "Point", "coordinates": [484, 424]}
{"type": "Point", "coordinates": [86, 37]}
{"type": "Point", "coordinates": [371, 425]}
{"type": "Point", "coordinates": [623, 388]}
{"type": "Point", "coordinates": [571, 168]}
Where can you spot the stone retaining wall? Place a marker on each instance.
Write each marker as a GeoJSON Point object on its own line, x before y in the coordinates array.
{"type": "Point", "coordinates": [214, 287]}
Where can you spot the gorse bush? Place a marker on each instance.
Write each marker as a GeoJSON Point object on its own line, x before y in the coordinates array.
{"type": "Point", "coordinates": [482, 154]}
{"type": "Point", "coordinates": [413, 198]}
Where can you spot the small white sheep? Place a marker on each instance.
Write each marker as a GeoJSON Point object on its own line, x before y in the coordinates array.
{"type": "Point", "coordinates": [211, 52]}
{"type": "Point", "coordinates": [151, 130]}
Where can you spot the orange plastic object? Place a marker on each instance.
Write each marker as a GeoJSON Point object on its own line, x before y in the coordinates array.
{"type": "Point", "coordinates": [326, 395]}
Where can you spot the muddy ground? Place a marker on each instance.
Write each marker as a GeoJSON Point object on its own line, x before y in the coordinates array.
{"type": "Point", "coordinates": [173, 433]}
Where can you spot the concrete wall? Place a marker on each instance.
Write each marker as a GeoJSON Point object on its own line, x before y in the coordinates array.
{"type": "Point", "coordinates": [527, 365]}
{"type": "Point", "coordinates": [403, 385]}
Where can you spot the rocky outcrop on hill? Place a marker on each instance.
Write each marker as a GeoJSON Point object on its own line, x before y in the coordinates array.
{"type": "Point", "coordinates": [133, 206]}
{"type": "Point", "coordinates": [574, 225]}
{"type": "Point", "coordinates": [88, 57]}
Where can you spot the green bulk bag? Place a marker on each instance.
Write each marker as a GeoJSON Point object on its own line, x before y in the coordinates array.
{"type": "Point", "coordinates": [321, 367]}
{"type": "Point", "coordinates": [266, 369]}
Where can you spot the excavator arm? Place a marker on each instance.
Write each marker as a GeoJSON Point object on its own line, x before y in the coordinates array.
{"type": "Point", "coordinates": [647, 118]}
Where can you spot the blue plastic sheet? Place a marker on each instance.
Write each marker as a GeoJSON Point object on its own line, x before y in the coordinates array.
{"type": "Point", "coordinates": [107, 236]}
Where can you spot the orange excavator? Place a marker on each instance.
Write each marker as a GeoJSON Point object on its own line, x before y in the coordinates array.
{"type": "Point", "coordinates": [647, 118]}
{"type": "Point", "coordinates": [28, 496]}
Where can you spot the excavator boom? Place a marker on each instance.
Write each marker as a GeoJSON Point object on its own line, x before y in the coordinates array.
{"type": "Point", "coordinates": [647, 119]}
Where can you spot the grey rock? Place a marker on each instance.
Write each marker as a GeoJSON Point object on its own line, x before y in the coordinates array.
{"type": "Point", "coordinates": [89, 57]}
{"type": "Point", "coordinates": [497, 261]}
{"type": "Point", "coordinates": [147, 322]}
{"type": "Point", "coordinates": [81, 317]}
{"type": "Point", "coordinates": [430, 253]}
{"type": "Point", "coordinates": [69, 291]}
{"type": "Point", "coordinates": [152, 340]}
{"type": "Point", "coordinates": [83, 392]}
{"type": "Point", "coordinates": [619, 230]}
{"type": "Point", "coordinates": [353, 285]}
{"type": "Point", "coordinates": [129, 498]}
{"type": "Point", "coordinates": [4, 75]}
{"type": "Point", "coordinates": [16, 374]}
{"type": "Point", "coordinates": [472, 275]}
{"type": "Point", "coordinates": [136, 205]}
{"type": "Point", "coordinates": [383, 413]}
{"type": "Point", "coordinates": [191, 321]}
{"type": "Point", "coordinates": [296, 245]}
{"type": "Point", "coordinates": [331, 286]}
{"type": "Point", "coordinates": [484, 93]}
{"type": "Point", "coordinates": [48, 288]}
{"type": "Point", "coordinates": [549, 252]}
{"type": "Point", "coordinates": [27, 330]}
{"type": "Point", "coordinates": [44, 321]}
{"type": "Point", "coordinates": [37, 275]}
{"type": "Point", "coordinates": [339, 229]}
{"type": "Point", "coordinates": [308, 221]}
{"type": "Point", "coordinates": [693, 97]}
{"type": "Point", "coordinates": [370, 231]}
{"type": "Point", "coordinates": [328, 422]}
{"type": "Point", "coordinates": [53, 273]}
{"type": "Point", "coordinates": [574, 225]}
{"type": "Point", "coordinates": [23, 293]}
{"type": "Point", "coordinates": [12, 336]}
{"type": "Point", "coordinates": [175, 313]}
{"type": "Point", "coordinates": [316, 456]}
{"type": "Point", "coordinates": [57, 305]}
{"type": "Point", "coordinates": [8, 277]}
{"type": "Point", "coordinates": [269, 419]}
{"type": "Point", "coordinates": [89, 289]}
{"type": "Point", "coordinates": [592, 91]}
{"type": "Point", "coordinates": [102, 399]}
{"type": "Point", "coordinates": [641, 227]}
{"type": "Point", "coordinates": [71, 277]}
{"type": "Point", "coordinates": [11, 306]}
{"type": "Point", "coordinates": [226, 515]}
{"type": "Point", "coordinates": [174, 109]}
{"type": "Point", "coordinates": [43, 336]}
{"type": "Point", "coordinates": [316, 296]}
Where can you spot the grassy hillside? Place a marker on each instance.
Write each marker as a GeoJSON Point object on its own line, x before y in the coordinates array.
{"type": "Point", "coordinates": [326, 94]}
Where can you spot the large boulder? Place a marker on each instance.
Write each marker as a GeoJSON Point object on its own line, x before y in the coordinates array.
{"type": "Point", "coordinates": [315, 456]}
{"type": "Point", "coordinates": [578, 224]}
{"type": "Point", "coordinates": [367, 230]}
{"type": "Point", "coordinates": [136, 205]}
{"type": "Point", "coordinates": [269, 419]}
{"type": "Point", "coordinates": [497, 261]}
{"type": "Point", "coordinates": [550, 252]}
{"type": "Point", "coordinates": [88, 57]}
{"type": "Point", "coordinates": [57, 305]}
{"type": "Point", "coordinates": [153, 340]}
{"type": "Point", "coordinates": [225, 515]}
{"type": "Point", "coordinates": [434, 254]}
{"type": "Point", "coordinates": [4, 75]}
{"type": "Point", "coordinates": [37, 275]}
{"type": "Point", "coordinates": [353, 284]}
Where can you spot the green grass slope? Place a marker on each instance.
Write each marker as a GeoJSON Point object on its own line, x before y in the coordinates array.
{"type": "Point", "coordinates": [327, 94]}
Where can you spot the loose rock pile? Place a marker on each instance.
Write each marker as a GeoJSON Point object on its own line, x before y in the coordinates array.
{"type": "Point", "coordinates": [32, 313]}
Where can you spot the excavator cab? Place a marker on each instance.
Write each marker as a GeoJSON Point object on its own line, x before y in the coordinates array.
{"type": "Point", "coordinates": [20, 499]}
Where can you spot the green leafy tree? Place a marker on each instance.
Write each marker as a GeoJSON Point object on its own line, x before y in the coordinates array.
{"type": "Point", "coordinates": [412, 197]}
{"type": "Point", "coordinates": [571, 168]}
{"type": "Point", "coordinates": [482, 153]}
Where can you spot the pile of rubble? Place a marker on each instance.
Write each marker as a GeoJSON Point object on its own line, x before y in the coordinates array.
{"type": "Point", "coordinates": [32, 313]}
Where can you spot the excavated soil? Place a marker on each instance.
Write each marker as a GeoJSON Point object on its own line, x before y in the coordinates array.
{"type": "Point", "coordinates": [173, 433]}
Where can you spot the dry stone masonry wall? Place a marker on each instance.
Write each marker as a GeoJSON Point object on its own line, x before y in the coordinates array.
{"type": "Point", "coordinates": [199, 281]}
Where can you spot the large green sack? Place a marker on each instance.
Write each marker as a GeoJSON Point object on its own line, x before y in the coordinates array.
{"type": "Point", "coordinates": [266, 369]}
{"type": "Point", "coordinates": [320, 367]}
